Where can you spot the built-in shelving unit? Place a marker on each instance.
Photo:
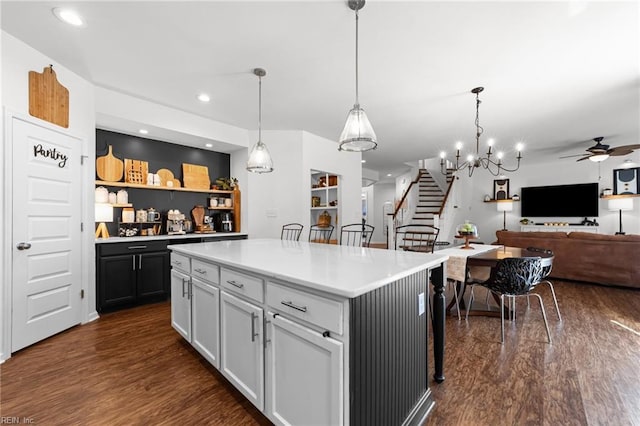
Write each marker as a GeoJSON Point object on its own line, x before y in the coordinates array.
{"type": "Point", "coordinates": [234, 195]}
{"type": "Point", "coordinates": [161, 188]}
{"type": "Point", "coordinates": [324, 196]}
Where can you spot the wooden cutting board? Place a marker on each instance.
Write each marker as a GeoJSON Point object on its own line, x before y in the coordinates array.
{"type": "Point", "coordinates": [195, 176]}
{"type": "Point", "coordinates": [166, 175]}
{"type": "Point", "coordinates": [135, 171]}
{"type": "Point", "coordinates": [109, 168]}
{"type": "Point", "coordinates": [48, 99]}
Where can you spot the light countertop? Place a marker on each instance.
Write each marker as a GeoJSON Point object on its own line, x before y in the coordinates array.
{"type": "Point", "coordinates": [339, 270]}
{"type": "Point", "coordinates": [212, 236]}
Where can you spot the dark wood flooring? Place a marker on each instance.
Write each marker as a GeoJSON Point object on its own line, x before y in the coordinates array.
{"type": "Point", "coordinates": [131, 368]}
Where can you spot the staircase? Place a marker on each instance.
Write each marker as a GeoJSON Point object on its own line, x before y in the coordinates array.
{"type": "Point", "coordinates": [430, 199]}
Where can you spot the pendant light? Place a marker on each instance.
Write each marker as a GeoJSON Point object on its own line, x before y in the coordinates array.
{"type": "Point", "coordinates": [259, 158]}
{"type": "Point", "coordinates": [357, 135]}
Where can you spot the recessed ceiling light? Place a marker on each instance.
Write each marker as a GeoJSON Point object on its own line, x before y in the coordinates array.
{"type": "Point", "coordinates": [363, 161]}
{"type": "Point", "coordinates": [68, 16]}
{"type": "Point", "coordinates": [208, 145]}
{"type": "Point", "coordinates": [389, 175]}
{"type": "Point", "coordinates": [143, 131]}
{"type": "Point", "coordinates": [203, 97]}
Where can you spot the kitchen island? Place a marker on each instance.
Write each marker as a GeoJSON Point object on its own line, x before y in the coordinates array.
{"type": "Point", "coordinates": [314, 333]}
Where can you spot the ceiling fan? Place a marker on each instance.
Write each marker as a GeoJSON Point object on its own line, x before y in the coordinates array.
{"type": "Point", "coordinates": [600, 152]}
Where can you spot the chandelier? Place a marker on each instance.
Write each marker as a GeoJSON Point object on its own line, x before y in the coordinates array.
{"type": "Point", "coordinates": [476, 161]}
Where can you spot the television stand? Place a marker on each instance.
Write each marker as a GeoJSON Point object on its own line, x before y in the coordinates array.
{"type": "Point", "coordinates": [560, 228]}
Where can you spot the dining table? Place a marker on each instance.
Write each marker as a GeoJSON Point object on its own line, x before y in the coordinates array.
{"type": "Point", "coordinates": [481, 259]}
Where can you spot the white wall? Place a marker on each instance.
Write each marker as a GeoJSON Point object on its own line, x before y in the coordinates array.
{"type": "Point", "coordinates": [17, 60]}
{"type": "Point", "coordinates": [552, 172]}
{"type": "Point", "coordinates": [322, 154]}
{"type": "Point", "coordinates": [382, 193]}
{"type": "Point", "coordinates": [278, 197]}
{"type": "Point", "coordinates": [284, 195]}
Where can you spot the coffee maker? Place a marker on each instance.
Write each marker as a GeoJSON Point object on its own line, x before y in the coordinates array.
{"type": "Point", "coordinates": [175, 223]}
{"type": "Point", "coordinates": [223, 221]}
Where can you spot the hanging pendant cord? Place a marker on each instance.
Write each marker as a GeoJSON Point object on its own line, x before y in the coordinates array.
{"type": "Point", "coordinates": [259, 109]}
{"type": "Point", "coordinates": [357, 99]}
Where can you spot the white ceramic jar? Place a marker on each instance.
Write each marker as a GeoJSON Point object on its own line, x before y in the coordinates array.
{"type": "Point", "coordinates": [122, 197]}
{"type": "Point", "coordinates": [113, 199]}
{"type": "Point", "coordinates": [102, 195]}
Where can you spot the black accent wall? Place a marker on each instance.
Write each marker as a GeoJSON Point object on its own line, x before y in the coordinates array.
{"type": "Point", "coordinates": [160, 155]}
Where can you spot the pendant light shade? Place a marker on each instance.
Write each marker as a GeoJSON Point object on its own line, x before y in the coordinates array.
{"type": "Point", "coordinates": [259, 158]}
{"type": "Point", "coordinates": [358, 134]}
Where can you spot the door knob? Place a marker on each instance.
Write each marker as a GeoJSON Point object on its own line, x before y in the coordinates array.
{"type": "Point", "coordinates": [23, 246]}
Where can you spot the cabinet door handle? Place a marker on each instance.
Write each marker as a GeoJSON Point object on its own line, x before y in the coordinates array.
{"type": "Point", "coordinates": [140, 261]}
{"type": "Point", "coordinates": [177, 262]}
{"type": "Point", "coordinates": [136, 247]}
{"type": "Point", "coordinates": [190, 295]}
{"type": "Point", "coordinates": [296, 307]}
{"type": "Point", "coordinates": [201, 271]}
{"type": "Point", "coordinates": [253, 327]}
{"type": "Point", "coordinates": [133, 264]}
{"type": "Point", "coordinates": [265, 327]}
{"type": "Point", "coordinates": [235, 284]}
{"type": "Point", "coordinates": [184, 293]}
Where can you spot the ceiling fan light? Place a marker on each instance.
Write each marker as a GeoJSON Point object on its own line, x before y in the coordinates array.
{"type": "Point", "coordinates": [598, 157]}
{"type": "Point", "coordinates": [260, 159]}
{"type": "Point", "coordinates": [358, 134]}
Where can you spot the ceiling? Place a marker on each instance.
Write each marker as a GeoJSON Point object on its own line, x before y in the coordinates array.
{"type": "Point", "coordinates": [556, 74]}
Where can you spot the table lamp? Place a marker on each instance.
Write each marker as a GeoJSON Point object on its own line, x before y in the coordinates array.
{"type": "Point", "coordinates": [620, 204]}
{"type": "Point", "coordinates": [504, 207]}
{"type": "Point", "coordinates": [104, 213]}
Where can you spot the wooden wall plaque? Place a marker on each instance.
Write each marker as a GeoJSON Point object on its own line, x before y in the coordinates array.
{"type": "Point", "coordinates": [48, 99]}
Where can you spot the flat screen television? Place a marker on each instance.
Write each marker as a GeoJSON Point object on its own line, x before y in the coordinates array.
{"type": "Point", "coordinates": [578, 200]}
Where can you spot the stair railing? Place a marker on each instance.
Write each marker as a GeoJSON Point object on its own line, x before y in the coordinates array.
{"type": "Point", "coordinates": [397, 217]}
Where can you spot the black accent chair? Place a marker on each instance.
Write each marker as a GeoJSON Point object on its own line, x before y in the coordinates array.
{"type": "Point", "coordinates": [291, 231]}
{"type": "Point", "coordinates": [356, 234]}
{"type": "Point", "coordinates": [320, 234]}
{"type": "Point", "coordinates": [513, 277]}
{"type": "Point", "coordinates": [417, 237]}
{"type": "Point", "coordinates": [546, 270]}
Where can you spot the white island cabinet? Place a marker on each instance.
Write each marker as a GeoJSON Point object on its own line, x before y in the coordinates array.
{"type": "Point", "coordinates": [317, 334]}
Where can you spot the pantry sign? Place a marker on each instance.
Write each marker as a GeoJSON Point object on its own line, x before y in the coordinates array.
{"type": "Point", "coordinates": [52, 154]}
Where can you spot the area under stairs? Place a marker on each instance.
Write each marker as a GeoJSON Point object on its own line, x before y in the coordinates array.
{"type": "Point", "coordinates": [430, 198]}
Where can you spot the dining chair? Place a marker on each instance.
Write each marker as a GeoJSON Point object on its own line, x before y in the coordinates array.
{"type": "Point", "coordinates": [546, 270]}
{"type": "Point", "coordinates": [291, 231]}
{"type": "Point", "coordinates": [511, 278]}
{"type": "Point", "coordinates": [416, 237]}
{"type": "Point", "coordinates": [320, 234]}
{"type": "Point", "coordinates": [356, 234]}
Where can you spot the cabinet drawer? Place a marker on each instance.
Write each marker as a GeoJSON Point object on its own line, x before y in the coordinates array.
{"type": "Point", "coordinates": [205, 271]}
{"type": "Point", "coordinates": [134, 247]}
{"type": "Point", "coordinates": [240, 283]}
{"type": "Point", "coordinates": [181, 262]}
{"type": "Point", "coordinates": [323, 312]}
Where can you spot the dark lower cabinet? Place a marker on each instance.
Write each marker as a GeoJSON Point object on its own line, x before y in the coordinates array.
{"type": "Point", "coordinates": [131, 274]}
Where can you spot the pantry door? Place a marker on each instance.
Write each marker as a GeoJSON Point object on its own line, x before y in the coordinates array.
{"type": "Point", "coordinates": [46, 238]}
